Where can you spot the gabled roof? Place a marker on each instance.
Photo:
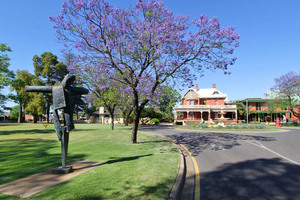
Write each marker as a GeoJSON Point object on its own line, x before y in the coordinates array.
{"type": "Point", "coordinates": [191, 93]}
{"type": "Point", "coordinates": [211, 93]}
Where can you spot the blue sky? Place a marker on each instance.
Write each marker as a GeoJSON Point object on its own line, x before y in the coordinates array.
{"type": "Point", "coordinates": [269, 44]}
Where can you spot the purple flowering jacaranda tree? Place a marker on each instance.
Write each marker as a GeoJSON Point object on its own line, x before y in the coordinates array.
{"type": "Point", "coordinates": [287, 88]}
{"type": "Point", "coordinates": [145, 45]}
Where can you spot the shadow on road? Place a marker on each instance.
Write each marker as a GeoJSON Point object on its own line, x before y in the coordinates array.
{"type": "Point", "coordinates": [199, 141]}
{"type": "Point", "coordinates": [252, 179]}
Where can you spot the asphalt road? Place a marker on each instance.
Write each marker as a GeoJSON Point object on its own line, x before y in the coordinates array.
{"type": "Point", "coordinates": [243, 165]}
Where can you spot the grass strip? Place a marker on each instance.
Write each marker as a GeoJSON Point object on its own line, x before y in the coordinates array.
{"type": "Point", "coordinates": [146, 170]}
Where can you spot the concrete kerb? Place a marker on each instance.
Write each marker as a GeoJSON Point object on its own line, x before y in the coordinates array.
{"type": "Point", "coordinates": [177, 191]}
{"type": "Point", "coordinates": [180, 179]}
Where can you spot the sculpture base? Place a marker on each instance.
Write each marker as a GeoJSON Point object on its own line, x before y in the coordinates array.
{"type": "Point", "coordinates": [60, 170]}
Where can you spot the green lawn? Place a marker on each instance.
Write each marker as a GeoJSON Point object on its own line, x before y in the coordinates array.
{"type": "Point", "coordinates": [146, 170]}
{"type": "Point", "coordinates": [267, 128]}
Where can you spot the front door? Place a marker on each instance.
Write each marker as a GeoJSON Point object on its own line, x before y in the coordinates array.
{"type": "Point", "coordinates": [205, 116]}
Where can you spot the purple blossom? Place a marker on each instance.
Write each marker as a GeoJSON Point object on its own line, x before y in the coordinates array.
{"type": "Point", "coordinates": [80, 3]}
{"type": "Point", "coordinates": [142, 47]}
{"type": "Point", "coordinates": [64, 4]}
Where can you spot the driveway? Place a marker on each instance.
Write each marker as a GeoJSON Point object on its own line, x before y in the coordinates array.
{"type": "Point", "coordinates": [243, 165]}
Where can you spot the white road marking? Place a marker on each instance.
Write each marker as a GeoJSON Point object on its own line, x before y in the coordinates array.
{"type": "Point", "coordinates": [256, 143]}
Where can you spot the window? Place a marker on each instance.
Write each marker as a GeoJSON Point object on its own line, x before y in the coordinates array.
{"type": "Point", "coordinates": [216, 115]}
{"type": "Point", "coordinates": [191, 114]}
{"type": "Point", "coordinates": [258, 105]}
{"type": "Point", "coordinates": [216, 102]}
{"type": "Point", "coordinates": [191, 102]}
{"type": "Point", "coordinates": [203, 102]}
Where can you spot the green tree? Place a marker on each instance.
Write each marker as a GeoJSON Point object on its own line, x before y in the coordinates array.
{"type": "Point", "coordinates": [151, 112]}
{"type": "Point", "coordinates": [14, 112]}
{"type": "Point", "coordinates": [18, 85]}
{"type": "Point", "coordinates": [51, 71]}
{"type": "Point", "coordinates": [169, 96]}
{"type": "Point", "coordinates": [36, 106]}
{"type": "Point", "coordinates": [242, 110]}
{"type": "Point", "coordinates": [80, 106]}
{"type": "Point", "coordinates": [6, 75]}
{"type": "Point", "coordinates": [168, 100]}
{"type": "Point", "coordinates": [273, 103]}
{"type": "Point", "coordinates": [126, 108]}
{"type": "Point", "coordinates": [109, 97]}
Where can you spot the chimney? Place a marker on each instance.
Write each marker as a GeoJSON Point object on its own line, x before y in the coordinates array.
{"type": "Point", "coordinates": [214, 85]}
{"type": "Point", "coordinates": [197, 89]}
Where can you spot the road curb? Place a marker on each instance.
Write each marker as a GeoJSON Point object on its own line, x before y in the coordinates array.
{"type": "Point", "coordinates": [180, 179]}
{"type": "Point", "coordinates": [182, 188]}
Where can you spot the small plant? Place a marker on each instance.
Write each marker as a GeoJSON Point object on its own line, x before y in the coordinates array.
{"type": "Point", "coordinates": [154, 121]}
{"type": "Point", "coordinates": [251, 127]}
{"type": "Point", "coordinates": [229, 127]}
{"type": "Point", "coordinates": [235, 126]}
{"type": "Point", "coordinates": [219, 127]}
{"type": "Point", "coordinates": [260, 126]}
{"type": "Point", "coordinates": [46, 125]}
{"type": "Point", "coordinates": [204, 126]}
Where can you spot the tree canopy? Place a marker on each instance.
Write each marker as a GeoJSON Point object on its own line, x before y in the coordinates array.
{"type": "Point", "coordinates": [286, 92]}
{"type": "Point", "coordinates": [143, 46]}
{"type": "Point", "coordinates": [21, 97]}
{"type": "Point", "coordinates": [6, 75]}
{"type": "Point", "coordinates": [50, 71]}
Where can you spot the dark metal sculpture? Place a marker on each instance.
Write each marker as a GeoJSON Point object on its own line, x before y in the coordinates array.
{"type": "Point", "coordinates": [64, 97]}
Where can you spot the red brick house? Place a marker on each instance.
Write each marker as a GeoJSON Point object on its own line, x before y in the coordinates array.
{"type": "Point", "coordinates": [204, 105]}
{"type": "Point", "coordinates": [258, 111]}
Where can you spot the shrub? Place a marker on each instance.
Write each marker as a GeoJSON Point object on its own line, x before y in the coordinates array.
{"type": "Point", "coordinates": [235, 127]}
{"type": "Point", "coordinates": [187, 123]}
{"type": "Point", "coordinates": [243, 127]}
{"type": "Point", "coordinates": [251, 127]}
{"type": "Point", "coordinates": [260, 126]}
{"type": "Point", "coordinates": [195, 124]}
{"type": "Point", "coordinates": [219, 127]}
{"type": "Point", "coordinates": [229, 127]}
{"type": "Point", "coordinates": [204, 126]}
{"type": "Point", "coordinates": [154, 121]}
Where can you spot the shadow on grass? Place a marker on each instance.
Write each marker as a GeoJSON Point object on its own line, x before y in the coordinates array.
{"type": "Point", "coordinates": [83, 130]}
{"type": "Point", "coordinates": [7, 197]}
{"type": "Point", "coordinates": [116, 160]}
{"type": "Point", "coordinates": [38, 131]}
{"type": "Point", "coordinates": [28, 131]}
{"type": "Point", "coordinates": [196, 142]}
{"type": "Point", "coordinates": [90, 197]}
{"type": "Point", "coordinates": [123, 159]}
{"type": "Point", "coordinates": [10, 124]}
{"type": "Point", "coordinates": [23, 157]}
{"type": "Point", "coordinates": [252, 179]}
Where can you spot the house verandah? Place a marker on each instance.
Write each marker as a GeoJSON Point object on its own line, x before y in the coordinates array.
{"type": "Point", "coordinates": [205, 105]}
{"type": "Point", "coordinates": [205, 113]}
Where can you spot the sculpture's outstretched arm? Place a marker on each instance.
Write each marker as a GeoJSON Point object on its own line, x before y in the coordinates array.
{"type": "Point", "coordinates": [44, 89]}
